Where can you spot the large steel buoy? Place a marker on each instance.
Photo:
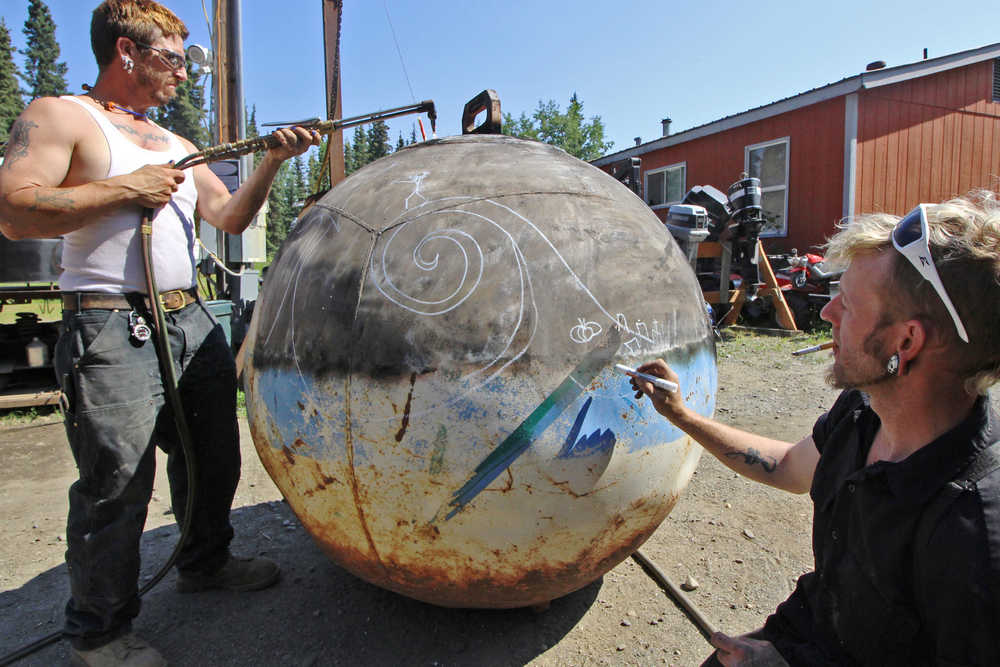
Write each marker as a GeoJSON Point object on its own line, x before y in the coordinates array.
{"type": "Point", "coordinates": [431, 382]}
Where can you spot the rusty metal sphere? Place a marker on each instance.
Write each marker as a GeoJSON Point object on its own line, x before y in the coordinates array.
{"type": "Point", "coordinates": [431, 382]}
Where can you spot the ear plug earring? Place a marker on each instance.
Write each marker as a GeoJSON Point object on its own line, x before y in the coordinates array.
{"type": "Point", "coordinates": [892, 366]}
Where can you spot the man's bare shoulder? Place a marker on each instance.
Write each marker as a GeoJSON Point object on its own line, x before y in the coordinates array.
{"type": "Point", "coordinates": [55, 109]}
{"type": "Point", "coordinates": [57, 121]}
{"type": "Point", "coordinates": [46, 138]}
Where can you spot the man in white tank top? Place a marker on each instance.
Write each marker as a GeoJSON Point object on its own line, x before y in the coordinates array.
{"type": "Point", "coordinates": [84, 168]}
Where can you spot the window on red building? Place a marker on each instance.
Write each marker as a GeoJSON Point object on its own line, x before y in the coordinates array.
{"type": "Point", "coordinates": [768, 161]}
{"type": "Point", "coordinates": [666, 185]}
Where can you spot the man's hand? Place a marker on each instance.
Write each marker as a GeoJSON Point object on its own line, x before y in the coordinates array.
{"type": "Point", "coordinates": [746, 652]}
{"type": "Point", "coordinates": [667, 403]}
{"type": "Point", "coordinates": [784, 465]}
{"type": "Point", "coordinates": [153, 185]}
{"type": "Point", "coordinates": [293, 141]}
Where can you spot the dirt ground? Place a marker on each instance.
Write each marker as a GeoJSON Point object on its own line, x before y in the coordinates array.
{"type": "Point", "coordinates": [742, 543]}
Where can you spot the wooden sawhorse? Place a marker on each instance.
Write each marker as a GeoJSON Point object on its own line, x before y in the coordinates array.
{"type": "Point", "coordinates": [737, 297]}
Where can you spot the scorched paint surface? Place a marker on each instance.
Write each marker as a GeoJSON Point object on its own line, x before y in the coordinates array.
{"type": "Point", "coordinates": [431, 381]}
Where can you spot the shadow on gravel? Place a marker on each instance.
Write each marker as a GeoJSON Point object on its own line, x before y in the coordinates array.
{"type": "Point", "coordinates": [318, 614]}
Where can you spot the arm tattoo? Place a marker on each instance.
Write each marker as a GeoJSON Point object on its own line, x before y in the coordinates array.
{"type": "Point", "coordinates": [751, 456]}
{"type": "Point", "coordinates": [145, 136]}
{"type": "Point", "coordinates": [17, 145]}
{"type": "Point", "coordinates": [55, 200]}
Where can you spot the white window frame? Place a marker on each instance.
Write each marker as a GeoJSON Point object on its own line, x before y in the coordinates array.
{"type": "Point", "coordinates": [773, 188]}
{"type": "Point", "coordinates": [664, 170]}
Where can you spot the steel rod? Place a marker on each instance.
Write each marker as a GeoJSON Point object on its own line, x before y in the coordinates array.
{"type": "Point", "coordinates": [677, 595]}
{"type": "Point", "coordinates": [246, 146]}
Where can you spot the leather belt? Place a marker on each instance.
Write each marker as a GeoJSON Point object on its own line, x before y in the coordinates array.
{"type": "Point", "coordinates": [172, 300]}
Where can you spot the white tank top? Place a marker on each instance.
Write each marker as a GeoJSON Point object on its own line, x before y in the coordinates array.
{"type": "Point", "coordinates": [106, 255]}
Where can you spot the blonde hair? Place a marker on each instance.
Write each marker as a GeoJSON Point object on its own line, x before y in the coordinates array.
{"type": "Point", "coordinates": [136, 19]}
{"type": "Point", "coordinates": [964, 235]}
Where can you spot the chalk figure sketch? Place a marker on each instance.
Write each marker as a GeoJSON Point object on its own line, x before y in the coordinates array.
{"type": "Point", "coordinates": [417, 180]}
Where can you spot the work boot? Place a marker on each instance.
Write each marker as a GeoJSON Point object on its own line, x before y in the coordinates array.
{"type": "Point", "coordinates": [238, 575]}
{"type": "Point", "coordinates": [128, 650]}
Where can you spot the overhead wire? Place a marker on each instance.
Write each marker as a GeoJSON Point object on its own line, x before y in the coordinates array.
{"type": "Point", "coordinates": [402, 63]}
{"type": "Point", "coordinates": [399, 52]}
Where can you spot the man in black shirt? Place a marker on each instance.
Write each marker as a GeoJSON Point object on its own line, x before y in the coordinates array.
{"type": "Point", "coordinates": [902, 472]}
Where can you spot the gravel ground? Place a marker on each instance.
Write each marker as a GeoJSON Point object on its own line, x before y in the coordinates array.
{"type": "Point", "coordinates": [742, 544]}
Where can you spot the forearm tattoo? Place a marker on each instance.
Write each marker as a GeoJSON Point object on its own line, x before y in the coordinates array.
{"type": "Point", "coordinates": [53, 200]}
{"type": "Point", "coordinates": [145, 136]}
{"type": "Point", "coordinates": [17, 144]}
{"type": "Point", "coordinates": [752, 457]}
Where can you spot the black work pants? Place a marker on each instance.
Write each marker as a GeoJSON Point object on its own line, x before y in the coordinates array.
{"type": "Point", "coordinates": [116, 415]}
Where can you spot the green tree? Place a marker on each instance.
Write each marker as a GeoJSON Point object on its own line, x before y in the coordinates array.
{"type": "Point", "coordinates": [399, 142]}
{"type": "Point", "coordinates": [378, 140]}
{"type": "Point", "coordinates": [11, 103]}
{"type": "Point", "coordinates": [42, 74]}
{"type": "Point", "coordinates": [569, 131]}
{"type": "Point", "coordinates": [252, 132]}
{"type": "Point", "coordinates": [523, 126]}
{"type": "Point", "coordinates": [298, 191]}
{"type": "Point", "coordinates": [319, 177]}
{"type": "Point", "coordinates": [279, 212]}
{"type": "Point", "coordinates": [285, 200]}
{"type": "Point", "coordinates": [350, 164]}
{"type": "Point", "coordinates": [359, 150]}
{"type": "Point", "coordinates": [185, 114]}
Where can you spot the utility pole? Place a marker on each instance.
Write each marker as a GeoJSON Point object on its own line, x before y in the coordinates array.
{"type": "Point", "coordinates": [238, 252]}
{"type": "Point", "coordinates": [334, 109]}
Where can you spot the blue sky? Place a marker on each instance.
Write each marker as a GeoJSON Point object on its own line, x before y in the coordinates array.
{"type": "Point", "coordinates": [631, 63]}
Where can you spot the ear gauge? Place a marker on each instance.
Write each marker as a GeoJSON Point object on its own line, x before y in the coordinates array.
{"type": "Point", "coordinates": [892, 366]}
{"type": "Point", "coordinates": [127, 64]}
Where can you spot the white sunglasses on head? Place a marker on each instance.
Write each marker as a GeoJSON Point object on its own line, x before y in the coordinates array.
{"type": "Point", "coordinates": [909, 237]}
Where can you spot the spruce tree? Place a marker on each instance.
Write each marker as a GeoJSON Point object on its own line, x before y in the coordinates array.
{"type": "Point", "coordinates": [378, 140]}
{"type": "Point", "coordinates": [285, 200]}
{"type": "Point", "coordinates": [11, 103]}
{"type": "Point", "coordinates": [253, 132]}
{"type": "Point", "coordinates": [43, 75]}
{"type": "Point", "coordinates": [360, 148]}
{"type": "Point", "coordinates": [350, 165]}
{"type": "Point", "coordinates": [298, 190]}
{"type": "Point", "coordinates": [319, 176]}
{"type": "Point", "coordinates": [279, 213]}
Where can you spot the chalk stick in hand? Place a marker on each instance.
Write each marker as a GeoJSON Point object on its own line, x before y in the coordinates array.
{"type": "Point", "coordinates": [657, 382]}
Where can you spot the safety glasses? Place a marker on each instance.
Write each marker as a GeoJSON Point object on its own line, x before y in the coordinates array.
{"type": "Point", "coordinates": [909, 237]}
{"type": "Point", "coordinates": [171, 59]}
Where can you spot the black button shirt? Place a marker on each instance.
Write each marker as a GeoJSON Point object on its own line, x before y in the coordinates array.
{"type": "Point", "coordinates": [876, 598]}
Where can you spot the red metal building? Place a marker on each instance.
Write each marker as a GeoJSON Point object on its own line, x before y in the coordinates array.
{"type": "Point", "coordinates": [883, 140]}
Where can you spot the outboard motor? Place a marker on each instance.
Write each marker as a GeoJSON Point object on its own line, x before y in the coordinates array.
{"type": "Point", "coordinates": [688, 224]}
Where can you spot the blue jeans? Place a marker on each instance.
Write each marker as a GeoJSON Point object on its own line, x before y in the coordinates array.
{"type": "Point", "coordinates": [116, 415]}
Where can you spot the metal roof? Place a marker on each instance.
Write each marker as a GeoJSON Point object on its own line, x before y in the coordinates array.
{"type": "Point", "coordinates": [865, 80]}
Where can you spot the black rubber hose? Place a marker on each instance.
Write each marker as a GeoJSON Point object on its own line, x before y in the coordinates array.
{"type": "Point", "coordinates": [168, 376]}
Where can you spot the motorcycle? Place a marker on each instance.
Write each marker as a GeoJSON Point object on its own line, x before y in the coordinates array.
{"type": "Point", "coordinates": [806, 283]}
